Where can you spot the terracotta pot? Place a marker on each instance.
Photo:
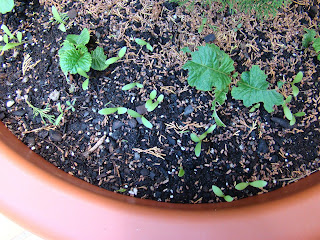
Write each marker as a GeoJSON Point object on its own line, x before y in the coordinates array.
{"type": "Point", "coordinates": [55, 205]}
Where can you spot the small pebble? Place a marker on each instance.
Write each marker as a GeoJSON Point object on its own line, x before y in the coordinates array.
{"type": "Point", "coordinates": [10, 103]}
{"type": "Point", "coordinates": [141, 109]}
{"type": "Point", "coordinates": [209, 38]}
{"type": "Point", "coordinates": [55, 136]}
{"type": "Point", "coordinates": [188, 110]}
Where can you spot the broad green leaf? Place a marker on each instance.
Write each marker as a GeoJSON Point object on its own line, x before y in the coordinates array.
{"type": "Point", "coordinates": [72, 59]}
{"type": "Point", "coordinates": [228, 198]}
{"type": "Point", "coordinates": [81, 39]}
{"type": "Point", "coordinates": [122, 52]}
{"type": "Point", "coordinates": [298, 78]}
{"type": "Point", "coordinates": [316, 45]}
{"type": "Point", "coordinates": [252, 88]}
{"type": "Point", "coordinates": [7, 31]}
{"type": "Point", "coordinates": [299, 114]}
{"type": "Point", "coordinates": [287, 112]}
{"type": "Point", "coordinates": [6, 6]}
{"type": "Point", "coordinates": [149, 47]}
{"type": "Point", "coordinates": [111, 60]}
{"type": "Point", "coordinates": [98, 59]}
{"type": "Point", "coordinates": [140, 42]}
{"type": "Point", "coordinates": [181, 172]}
{"type": "Point", "coordinates": [221, 95]}
{"type": "Point", "coordinates": [295, 90]}
{"type": "Point", "coordinates": [85, 84]}
{"type": "Point", "coordinates": [258, 184]}
{"type": "Point", "coordinates": [146, 122]}
{"type": "Point", "coordinates": [194, 137]}
{"type": "Point", "coordinates": [160, 98]}
{"type": "Point", "coordinates": [122, 110]}
{"type": "Point", "coordinates": [186, 50]}
{"type": "Point", "coordinates": [153, 94]}
{"type": "Point", "coordinates": [210, 129]}
{"type": "Point", "coordinates": [56, 14]}
{"type": "Point", "coordinates": [209, 67]}
{"type": "Point", "coordinates": [19, 37]}
{"type": "Point", "coordinates": [308, 37]}
{"type": "Point", "coordinates": [128, 86]}
{"type": "Point", "coordinates": [197, 149]}
{"type": "Point", "coordinates": [107, 111]}
{"type": "Point", "coordinates": [217, 191]}
{"type": "Point", "coordinates": [241, 186]}
{"type": "Point", "coordinates": [134, 114]}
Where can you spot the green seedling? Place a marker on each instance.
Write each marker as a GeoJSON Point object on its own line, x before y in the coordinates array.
{"type": "Point", "coordinates": [108, 111]}
{"type": "Point", "coordinates": [76, 59]}
{"type": "Point", "coordinates": [181, 171]}
{"type": "Point", "coordinates": [9, 36]}
{"type": "Point", "coordinates": [150, 105]}
{"type": "Point", "coordinates": [144, 43]}
{"type": "Point", "coordinates": [6, 6]}
{"type": "Point", "coordinates": [134, 114]}
{"type": "Point", "coordinates": [132, 85]}
{"type": "Point", "coordinates": [297, 79]}
{"type": "Point", "coordinates": [59, 18]}
{"type": "Point", "coordinates": [217, 191]}
{"type": "Point", "coordinates": [70, 106]}
{"type": "Point", "coordinates": [308, 38]}
{"type": "Point", "coordinates": [254, 107]}
{"type": "Point", "coordinates": [121, 190]}
{"type": "Point", "coordinates": [257, 184]}
{"type": "Point", "coordinates": [199, 139]}
{"type": "Point", "coordinates": [203, 23]}
{"type": "Point", "coordinates": [42, 112]}
{"type": "Point", "coordinates": [287, 112]}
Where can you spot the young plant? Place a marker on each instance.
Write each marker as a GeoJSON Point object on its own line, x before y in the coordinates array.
{"type": "Point", "coordinates": [70, 106]}
{"type": "Point", "coordinates": [6, 6]}
{"type": "Point", "coordinates": [203, 23]}
{"type": "Point", "coordinates": [144, 121]}
{"type": "Point", "coordinates": [198, 139]}
{"type": "Point", "coordinates": [42, 112]}
{"type": "Point", "coordinates": [108, 111]}
{"type": "Point", "coordinates": [150, 105]}
{"type": "Point", "coordinates": [75, 57]}
{"type": "Point", "coordinates": [9, 36]}
{"type": "Point", "coordinates": [308, 38]}
{"type": "Point", "coordinates": [131, 85]}
{"type": "Point", "coordinates": [257, 184]}
{"type": "Point", "coordinates": [217, 191]}
{"type": "Point", "coordinates": [59, 18]}
{"type": "Point", "coordinates": [181, 171]}
{"type": "Point", "coordinates": [144, 43]}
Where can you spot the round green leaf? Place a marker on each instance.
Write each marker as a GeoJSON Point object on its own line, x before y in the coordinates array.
{"type": "Point", "coordinates": [146, 122]}
{"type": "Point", "coordinates": [181, 172]}
{"type": "Point", "coordinates": [295, 90]}
{"type": "Point", "coordinates": [217, 191]}
{"type": "Point", "coordinates": [160, 98]}
{"type": "Point", "coordinates": [149, 47]}
{"type": "Point", "coordinates": [241, 186]}
{"type": "Point", "coordinates": [258, 184]}
{"type": "Point", "coordinates": [107, 111]}
{"type": "Point", "coordinates": [292, 121]}
{"type": "Point", "coordinates": [197, 149]}
{"type": "Point", "coordinates": [228, 198]}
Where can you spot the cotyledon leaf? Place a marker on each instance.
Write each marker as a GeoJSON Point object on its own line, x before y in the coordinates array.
{"type": "Point", "coordinates": [252, 88]}
{"type": "Point", "coordinates": [209, 67]}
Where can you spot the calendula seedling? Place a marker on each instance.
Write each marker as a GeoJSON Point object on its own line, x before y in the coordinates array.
{"type": "Point", "coordinates": [150, 105]}
{"type": "Point", "coordinates": [9, 36]}
{"type": "Point", "coordinates": [144, 43]}
{"type": "Point", "coordinates": [297, 79]}
{"type": "Point", "coordinates": [42, 112]}
{"type": "Point", "coordinates": [181, 171]}
{"type": "Point", "coordinates": [198, 139]}
{"type": "Point", "coordinates": [134, 114]}
{"type": "Point", "coordinates": [59, 18]}
{"type": "Point", "coordinates": [257, 184]}
{"type": "Point", "coordinates": [108, 111]}
{"type": "Point", "coordinates": [70, 106]}
{"type": "Point", "coordinates": [132, 85]}
{"type": "Point", "coordinates": [217, 191]}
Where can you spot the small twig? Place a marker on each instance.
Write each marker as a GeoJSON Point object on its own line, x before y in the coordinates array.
{"type": "Point", "coordinates": [155, 151]}
{"type": "Point", "coordinates": [98, 143]}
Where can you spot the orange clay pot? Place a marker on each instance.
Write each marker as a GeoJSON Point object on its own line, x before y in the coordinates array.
{"type": "Point", "coordinates": [55, 205]}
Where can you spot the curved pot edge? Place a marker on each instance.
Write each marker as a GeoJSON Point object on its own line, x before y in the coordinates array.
{"type": "Point", "coordinates": [298, 201]}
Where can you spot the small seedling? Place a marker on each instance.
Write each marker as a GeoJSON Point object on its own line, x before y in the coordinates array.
{"type": "Point", "coordinates": [198, 139]}
{"type": "Point", "coordinates": [204, 21]}
{"type": "Point", "coordinates": [6, 6]}
{"type": "Point", "coordinates": [144, 43]}
{"type": "Point", "coordinates": [257, 184]}
{"type": "Point", "coordinates": [132, 85]}
{"type": "Point", "coordinates": [42, 112]}
{"type": "Point", "coordinates": [150, 105]}
{"type": "Point", "coordinates": [59, 18]}
{"type": "Point", "coordinates": [217, 191]}
{"type": "Point", "coordinates": [308, 38]}
{"type": "Point", "coordinates": [181, 171]}
{"type": "Point", "coordinates": [297, 79]}
{"type": "Point", "coordinates": [70, 106]}
{"type": "Point", "coordinates": [134, 114]}
{"type": "Point", "coordinates": [9, 36]}
{"type": "Point", "coordinates": [108, 111]}
{"type": "Point", "coordinates": [254, 107]}
{"type": "Point", "coordinates": [121, 190]}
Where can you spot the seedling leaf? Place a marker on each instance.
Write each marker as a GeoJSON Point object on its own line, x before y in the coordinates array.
{"type": "Point", "coordinates": [252, 88]}
{"type": "Point", "coordinates": [6, 6]}
{"type": "Point", "coordinates": [258, 184]}
{"type": "Point", "coordinates": [146, 122]}
{"type": "Point", "coordinates": [111, 60]}
{"type": "Point", "coordinates": [217, 191]}
{"type": "Point", "coordinates": [7, 31]}
{"type": "Point", "coordinates": [295, 90]}
{"type": "Point", "coordinates": [81, 39]}
{"type": "Point", "coordinates": [122, 52]}
{"type": "Point", "coordinates": [181, 172]}
{"type": "Point", "coordinates": [160, 98]}
{"type": "Point", "coordinates": [140, 42]}
{"type": "Point", "coordinates": [133, 113]}
{"type": "Point", "coordinates": [316, 45]}
{"type": "Point", "coordinates": [211, 129]}
{"type": "Point", "coordinates": [209, 67]}
{"type": "Point", "coordinates": [308, 37]}
{"type": "Point", "coordinates": [19, 37]}
{"type": "Point", "coordinates": [287, 112]}
{"type": "Point", "coordinates": [153, 94]}
{"type": "Point", "coordinates": [241, 186]}
{"type": "Point", "coordinates": [228, 198]}
{"type": "Point", "coordinates": [197, 149]}
{"type": "Point", "coordinates": [107, 111]}
{"type": "Point", "coordinates": [299, 114]}
{"type": "Point", "coordinates": [194, 137]}
{"type": "Point", "coordinates": [98, 59]}
{"type": "Point", "coordinates": [149, 47]}
{"type": "Point", "coordinates": [128, 86]}
{"type": "Point", "coordinates": [298, 78]}
{"type": "Point", "coordinates": [85, 84]}
{"type": "Point", "coordinates": [122, 110]}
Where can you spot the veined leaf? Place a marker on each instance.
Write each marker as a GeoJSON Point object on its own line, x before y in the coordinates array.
{"type": "Point", "coordinates": [252, 88]}
{"type": "Point", "coordinates": [6, 6]}
{"type": "Point", "coordinates": [308, 37]}
{"type": "Point", "coordinates": [81, 39]}
{"type": "Point", "coordinates": [98, 59]}
{"type": "Point", "coordinates": [209, 67]}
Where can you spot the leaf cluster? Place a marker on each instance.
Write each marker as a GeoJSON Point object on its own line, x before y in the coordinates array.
{"type": "Point", "coordinates": [199, 139]}
{"type": "Point", "coordinates": [151, 104]}
{"type": "Point", "coordinates": [144, 43]}
{"type": "Point", "coordinates": [59, 18]}
{"type": "Point", "coordinates": [9, 36]}
{"type": "Point", "coordinates": [310, 37]}
{"type": "Point", "coordinates": [217, 191]}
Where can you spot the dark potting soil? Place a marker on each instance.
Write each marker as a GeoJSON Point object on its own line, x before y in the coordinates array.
{"type": "Point", "coordinates": [118, 153]}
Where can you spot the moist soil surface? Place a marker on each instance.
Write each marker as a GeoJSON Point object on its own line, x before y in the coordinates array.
{"type": "Point", "coordinates": [117, 152]}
